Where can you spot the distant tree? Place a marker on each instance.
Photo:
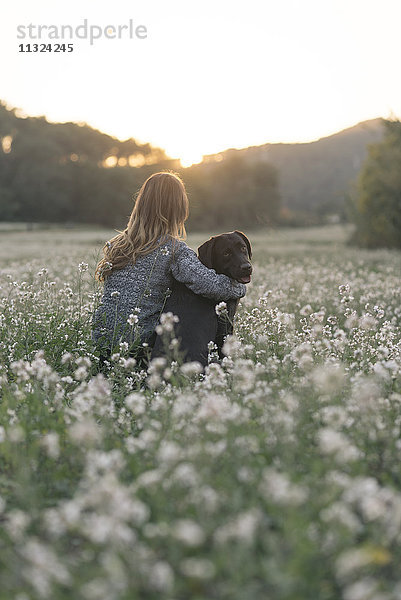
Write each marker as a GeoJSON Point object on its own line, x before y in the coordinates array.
{"type": "Point", "coordinates": [54, 172]}
{"type": "Point", "coordinates": [58, 172]}
{"type": "Point", "coordinates": [376, 209]}
{"type": "Point", "coordinates": [234, 193]}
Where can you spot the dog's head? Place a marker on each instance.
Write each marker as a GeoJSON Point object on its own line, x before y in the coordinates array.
{"type": "Point", "coordinates": [228, 253]}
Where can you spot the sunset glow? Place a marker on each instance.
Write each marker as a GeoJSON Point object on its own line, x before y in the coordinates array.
{"type": "Point", "coordinates": [189, 158]}
{"type": "Point", "coordinates": [212, 76]}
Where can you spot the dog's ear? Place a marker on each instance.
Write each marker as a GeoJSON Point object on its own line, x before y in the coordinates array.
{"type": "Point", "coordinates": [205, 253]}
{"type": "Point", "coordinates": [247, 242]}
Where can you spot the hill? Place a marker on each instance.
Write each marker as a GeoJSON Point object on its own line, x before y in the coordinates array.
{"type": "Point", "coordinates": [70, 172]}
{"type": "Point", "coordinates": [76, 142]}
{"type": "Point", "coordinates": [315, 176]}
{"type": "Point", "coordinates": [63, 172]}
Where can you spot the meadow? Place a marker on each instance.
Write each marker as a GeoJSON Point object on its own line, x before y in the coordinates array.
{"type": "Point", "coordinates": [276, 474]}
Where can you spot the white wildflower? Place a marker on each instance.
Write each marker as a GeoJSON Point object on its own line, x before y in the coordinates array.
{"type": "Point", "coordinates": [66, 358]}
{"type": "Point", "coordinates": [231, 346]}
{"type": "Point", "coordinates": [197, 568]}
{"type": "Point", "coordinates": [188, 532]}
{"type": "Point", "coordinates": [190, 369]}
{"type": "Point", "coordinates": [243, 527]}
{"type": "Point", "coordinates": [328, 378]}
{"type": "Point", "coordinates": [305, 310]}
{"type": "Point", "coordinates": [132, 319]}
{"type": "Point", "coordinates": [367, 322]}
{"type": "Point", "coordinates": [221, 309]}
{"type": "Point", "coordinates": [364, 589]}
{"type": "Point", "coordinates": [161, 577]}
{"type": "Point", "coordinates": [50, 442]}
{"type": "Point", "coordinates": [136, 403]}
{"type": "Point", "coordinates": [277, 487]}
{"type": "Point", "coordinates": [85, 431]}
{"type": "Point", "coordinates": [336, 443]}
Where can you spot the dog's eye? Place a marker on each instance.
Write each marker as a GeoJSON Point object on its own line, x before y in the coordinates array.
{"type": "Point", "coordinates": [244, 249]}
{"type": "Point", "coordinates": [226, 253]}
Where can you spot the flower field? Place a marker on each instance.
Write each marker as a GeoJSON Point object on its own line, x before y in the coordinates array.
{"type": "Point", "coordinates": [274, 475]}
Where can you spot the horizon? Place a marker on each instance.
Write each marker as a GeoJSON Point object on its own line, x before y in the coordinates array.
{"type": "Point", "coordinates": [210, 77]}
{"type": "Point", "coordinates": [21, 114]}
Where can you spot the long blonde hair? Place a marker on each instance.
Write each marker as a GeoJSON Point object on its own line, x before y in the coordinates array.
{"type": "Point", "coordinates": [161, 208]}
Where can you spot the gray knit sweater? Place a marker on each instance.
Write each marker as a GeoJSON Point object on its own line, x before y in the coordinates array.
{"type": "Point", "coordinates": [141, 290]}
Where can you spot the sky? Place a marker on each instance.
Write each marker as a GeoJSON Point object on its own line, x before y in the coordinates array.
{"type": "Point", "coordinates": [211, 74]}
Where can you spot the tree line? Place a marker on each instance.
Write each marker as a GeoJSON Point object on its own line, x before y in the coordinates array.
{"type": "Point", "coordinates": [71, 173]}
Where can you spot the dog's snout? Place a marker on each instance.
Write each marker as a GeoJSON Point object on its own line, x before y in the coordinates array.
{"type": "Point", "coordinates": [246, 268]}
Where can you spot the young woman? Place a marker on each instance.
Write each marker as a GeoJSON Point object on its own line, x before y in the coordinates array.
{"type": "Point", "coordinates": [139, 265]}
